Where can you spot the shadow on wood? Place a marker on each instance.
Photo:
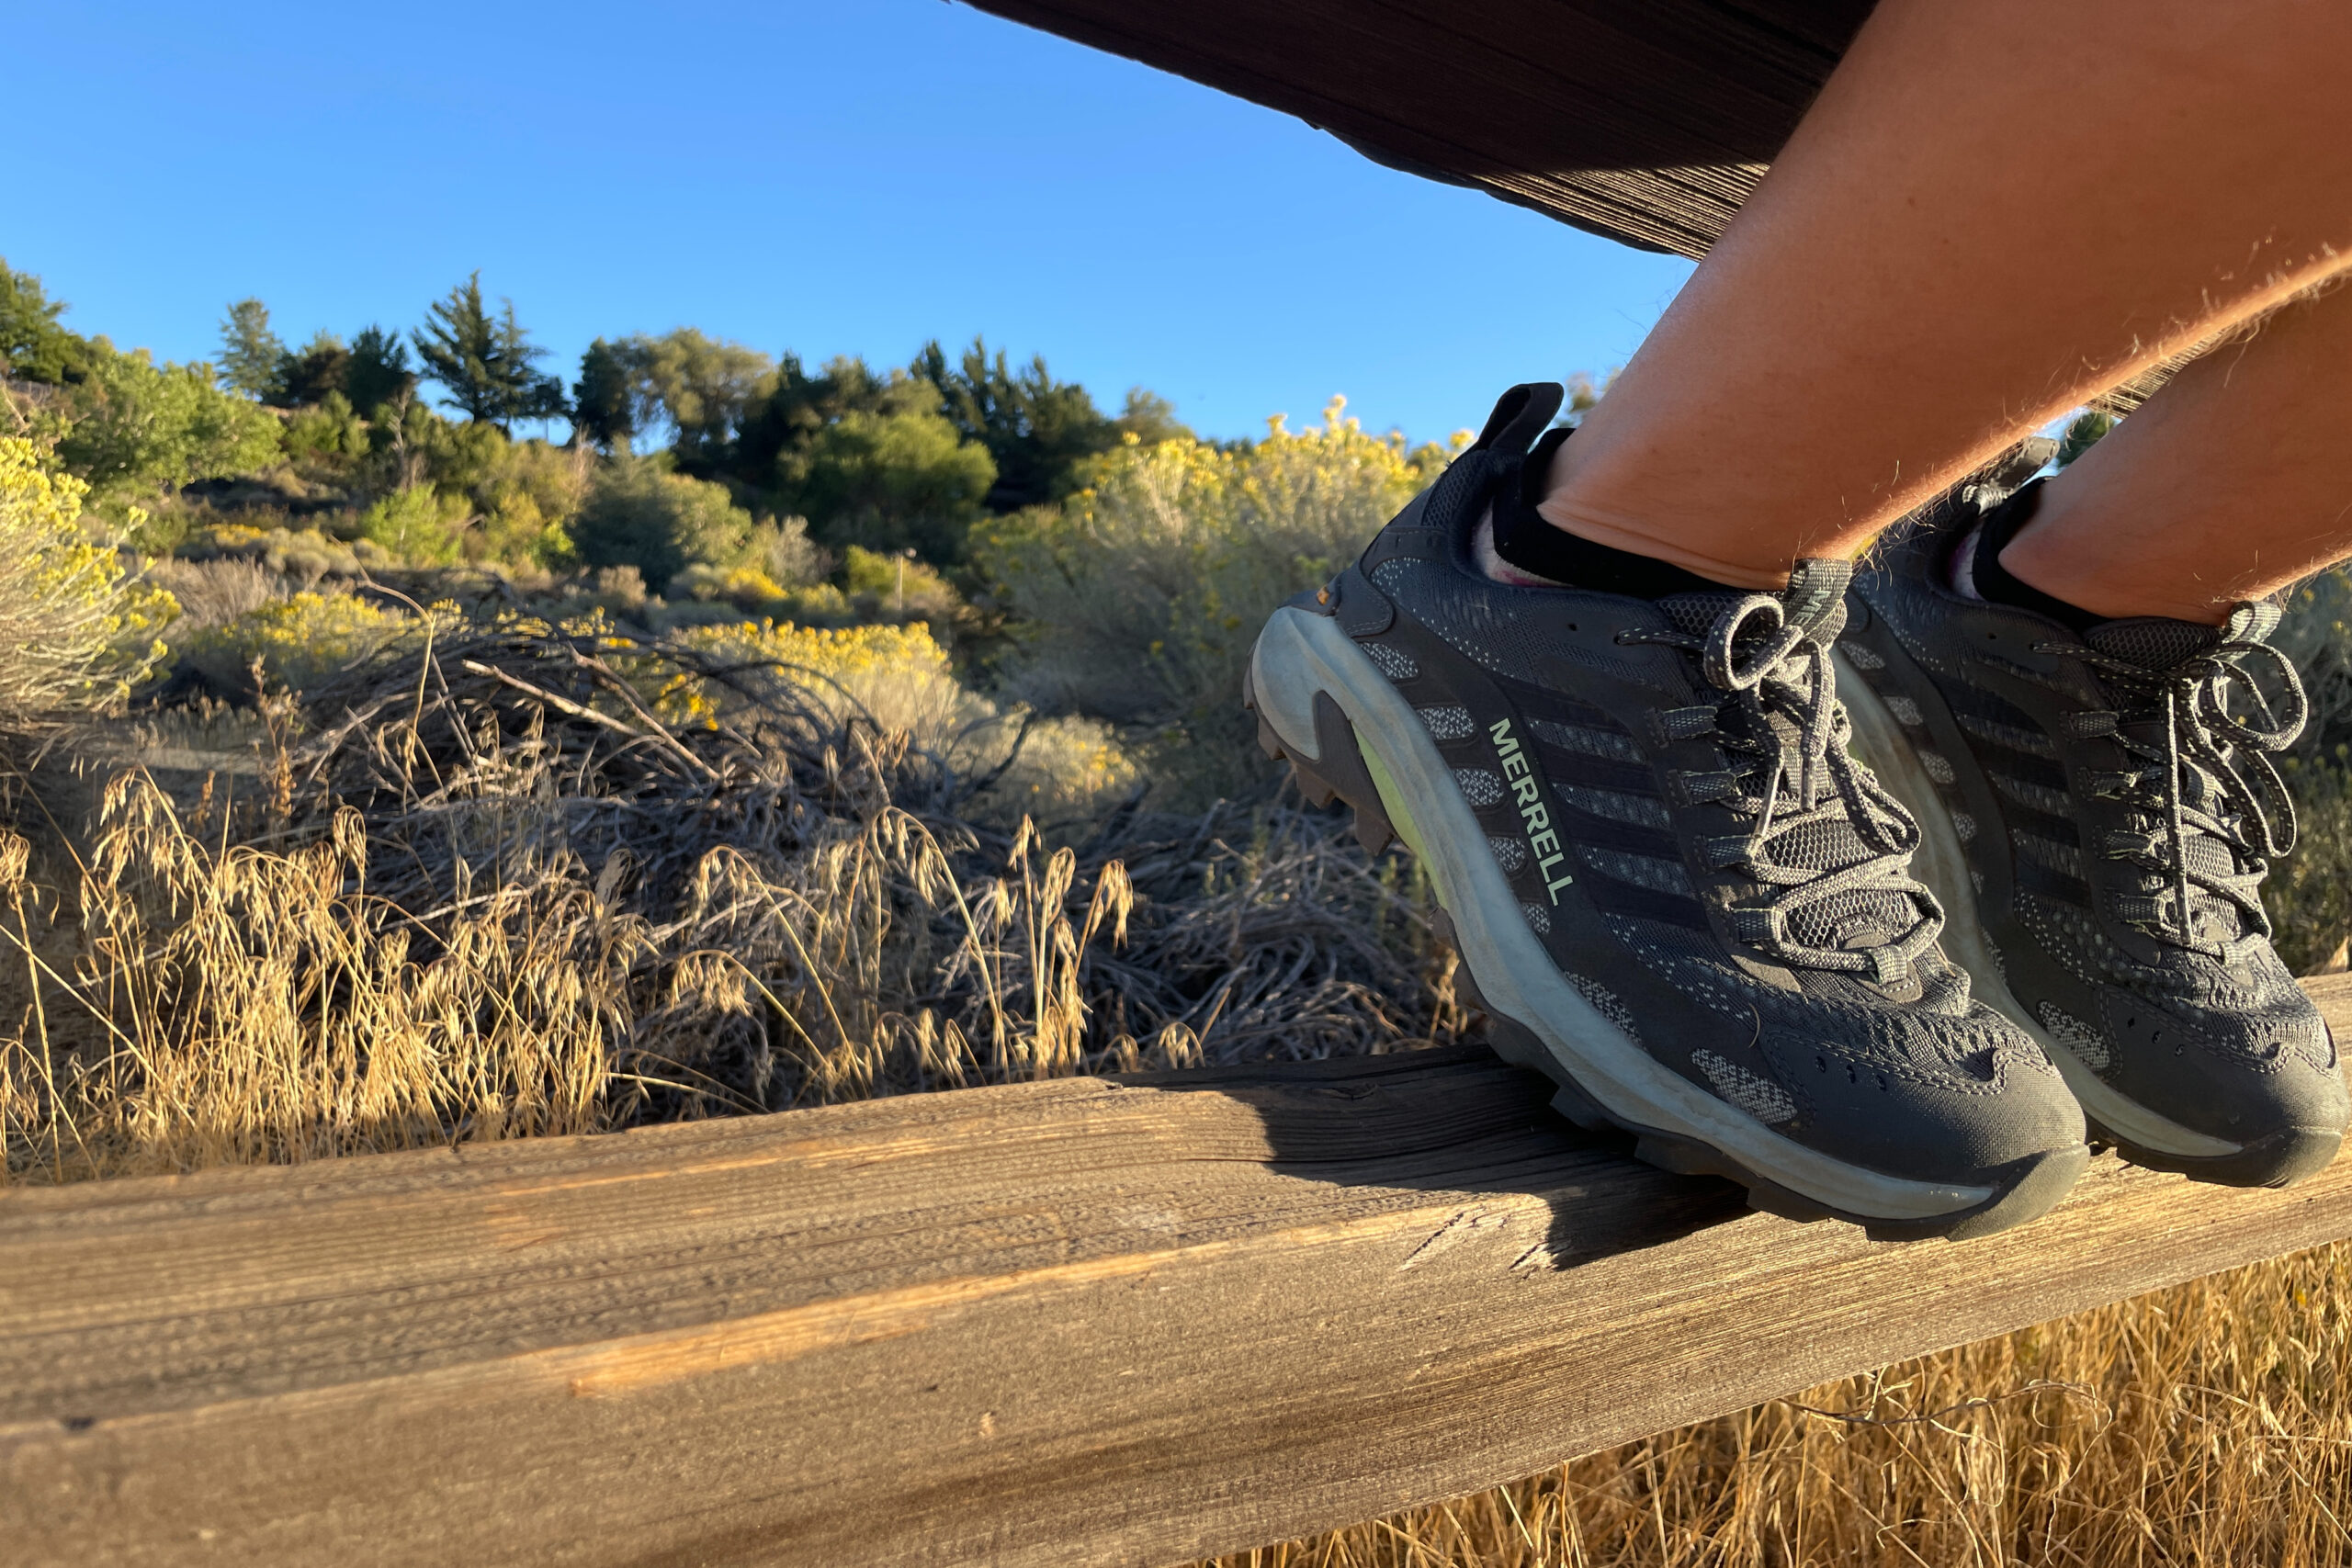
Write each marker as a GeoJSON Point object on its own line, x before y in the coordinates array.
{"type": "Point", "coordinates": [1071, 1322]}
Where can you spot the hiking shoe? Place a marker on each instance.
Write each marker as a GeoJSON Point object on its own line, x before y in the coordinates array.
{"type": "Point", "coordinates": [1673, 891]}
{"type": "Point", "coordinates": [2097, 813]}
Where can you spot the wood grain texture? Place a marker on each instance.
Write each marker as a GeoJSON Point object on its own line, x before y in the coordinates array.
{"type": "Point", "coordinates": [1645, 120]}
{"type": "Point", "coordinates": [1083, 1321]}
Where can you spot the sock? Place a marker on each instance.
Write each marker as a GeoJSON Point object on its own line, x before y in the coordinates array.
{"type": "Point", "coordinates": [1491, 565]}
{"type": "Point", "coordinates": [1976, 570]}
{"type": "Point", "coordinates": [1530, 545]}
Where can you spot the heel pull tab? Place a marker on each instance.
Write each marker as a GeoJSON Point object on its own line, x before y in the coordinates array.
{"type": "Point", "coordinates": [1520, 415]}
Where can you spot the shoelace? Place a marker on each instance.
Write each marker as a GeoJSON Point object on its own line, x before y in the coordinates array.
{"type": "Point", "coordinates": [2202, 751]}
{"type": "Point", "coordinates": [1768, 661]}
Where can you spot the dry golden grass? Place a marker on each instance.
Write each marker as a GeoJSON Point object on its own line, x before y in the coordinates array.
{"type": "Point", "coordinates": [2209, 1424]}
{"type": "Point", "coordinates": [485, 892]}
{"type": "Point", "coordinates": [486, 896]}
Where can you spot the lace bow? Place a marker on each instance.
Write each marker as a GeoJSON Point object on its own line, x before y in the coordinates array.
{"type": "Point", "coordinates": [1781, 726]}
{"type": "Point", "coordinates": [2204, 772]}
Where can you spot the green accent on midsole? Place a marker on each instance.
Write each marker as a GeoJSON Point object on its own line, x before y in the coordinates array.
{"type": "Point", "coordinates": [1392, 800]}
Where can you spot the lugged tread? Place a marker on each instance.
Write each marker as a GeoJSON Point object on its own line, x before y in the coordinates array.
{"type": "Point", "coordinates": [1517, 1044]}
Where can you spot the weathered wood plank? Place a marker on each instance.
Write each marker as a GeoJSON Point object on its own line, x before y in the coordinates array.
{"type": "Point", "coordinates": [1078, 1322]}
{"type": "Point", "coordinates": [1646, 120]}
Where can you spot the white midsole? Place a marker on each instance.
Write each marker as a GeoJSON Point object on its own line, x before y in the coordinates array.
{"type": "Point", "coordinates": [1942, 864]}
{"type": "Point", "coordinates": [1300, 654]}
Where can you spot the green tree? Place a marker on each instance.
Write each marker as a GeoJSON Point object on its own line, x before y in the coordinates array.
{"type": "Point", "coordinates": [704, 386]}
{"type": "Point", "coordinates": [1037, 430]}
{"type": "Point", "coordinates": [894, 481]}
{"type": "Point", "coordinates": [305, 379]}
{"type": "Point", "coordinates": [1150, 419]}
{"type": "Point", "coordinates": [610, 404]}
{"type": "Point", "coordinates": [777, 436]}
{"type": "Point", "coordinates": [2082, 432]}
{"type": "Point", "coordinates": [135, 428]}
{"type": "Point", "coordinates": [250, 352]}
{"type": "Point", "coordinates": [637, 513]}
{"type": "Point", "coordinates": [379, 373]}
{"type": "Point", "coordinates": [33, 347]}
{"type": "Point", "coordinates": [488, 364]}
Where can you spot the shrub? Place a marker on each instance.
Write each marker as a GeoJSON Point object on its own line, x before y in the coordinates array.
{"type": "Point", "coordinates": [1139, 596]}
{"type": "Point", "coordinates": [455, 459]}
{"type": "Point", "coordinates": [791, 557]}
{"type": "Point", "coordinates": [745, 586]}
{"type": "Point", "coordinates": [517, 533]}
{"type": "Point", "coordinates": [553, 482]}
{"type": "Point", "coordinates": [418, 526]}
{"type": "Point", "coordinates": [1053, 768]}
{"type": "Point", "coordinates": [331, 430]}
{"type": "Point", "coordinates": [897, 587]}
{"type": "Point", "coordinates": [214, 593]}
{"type": "Point", "coordinates": [305, 554]}
{"type": "Point", "coordinates": [637, 513]}
{"type": "Point", "coordinates": [300, 640]}
{"type": "Point", "coordinates": [2310, 896]}
{"type": "Point", "coordinates": [897, 480]}
{"type": "Point", "coordinates": [75, 626]}
{"type": "Point", "coordinates": [134, 429]}
{"type": "Point", "coordinates": [620, 588]}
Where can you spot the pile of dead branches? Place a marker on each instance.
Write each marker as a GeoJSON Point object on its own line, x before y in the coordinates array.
{"type": "Point", "coordinates": [718, 885]}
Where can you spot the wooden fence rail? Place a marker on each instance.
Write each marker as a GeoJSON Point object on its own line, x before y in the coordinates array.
{"type": "Point", "coordinates": [1081, 1321]}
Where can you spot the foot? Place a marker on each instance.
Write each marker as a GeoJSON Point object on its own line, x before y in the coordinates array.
{"type": "Point", "coordinates": [1673, 889]}
{"type": "Point", "coordinates": [2097, 827]}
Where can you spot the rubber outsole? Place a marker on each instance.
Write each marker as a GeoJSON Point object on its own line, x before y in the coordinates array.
{"type": "Point", "coordinates": [2278, 1159]}
{"type": "Point", "coordinates": [1337, 772]}
{"type": "Point", "coordinates": [2028, 1189]}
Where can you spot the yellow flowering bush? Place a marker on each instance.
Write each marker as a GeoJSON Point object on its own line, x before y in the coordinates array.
{"type": "Point", "coordinates": [76, 627]}
{"type": "Point", "coordinates": [746, 586]}
{"type": "Point", "coordinates": [1139, 596]}
{"type": "Point", "coordinates": [300, 639]}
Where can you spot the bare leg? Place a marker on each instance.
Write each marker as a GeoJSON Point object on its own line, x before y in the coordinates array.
{"type": "Point", "coordinates": [2232, 482]}
{"type": "Point", "coordinates": [1995, 212]}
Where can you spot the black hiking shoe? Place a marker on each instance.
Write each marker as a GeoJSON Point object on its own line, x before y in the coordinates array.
{"type": "Point", "coordinates": [2097, 813]}
{"type": "Point", "coordinates": [1673, 891]}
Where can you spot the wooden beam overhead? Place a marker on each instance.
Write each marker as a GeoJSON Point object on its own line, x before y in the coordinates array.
{"type": "Point", "coordinates": [1077, 1322]}
{"type": "Point", "coordinates": [1644, 120]}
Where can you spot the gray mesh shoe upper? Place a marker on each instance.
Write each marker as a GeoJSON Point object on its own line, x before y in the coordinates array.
{"type": "Point", "coordinates": [1668, 786]}
{"type": "Point", "coordinates": [2119, 811]}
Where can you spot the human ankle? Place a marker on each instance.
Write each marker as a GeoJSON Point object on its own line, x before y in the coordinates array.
{"type": "Point", "coordinates": [2022, 554]}
{"type": "Point", "coordinates": [1527, 542]}
{"type": "Point", "coordinates": [1594, 534]}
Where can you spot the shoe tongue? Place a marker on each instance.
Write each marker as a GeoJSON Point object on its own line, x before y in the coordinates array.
{"type": "Point", "coordinates": [2154, 642]}
{"type": "Point", "coordinates": [1816, 595]}
{"type": "Point", "coordinates": [1696, 613]}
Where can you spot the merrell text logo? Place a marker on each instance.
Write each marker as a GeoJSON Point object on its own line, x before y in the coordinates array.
{"type": "Point", "coordinates": [1528, 791]}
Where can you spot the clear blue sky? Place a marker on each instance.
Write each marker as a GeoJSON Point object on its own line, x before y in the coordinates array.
{"type": "Point", "coordinates": [822, 177]}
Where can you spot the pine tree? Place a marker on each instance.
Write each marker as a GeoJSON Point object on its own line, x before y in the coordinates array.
{"type": "Point", "coordinates": [250, 352]}
{"type": "Point", "coordinates": [1037, 429]}
{"type": "Point", "coordinates": [379, 373]}
{"type": "Point", "coordinates": [488, 364]}
{"type": "Point", "coordinates": [33, 347]}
